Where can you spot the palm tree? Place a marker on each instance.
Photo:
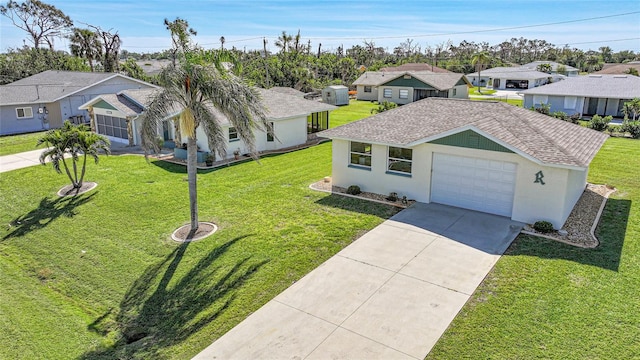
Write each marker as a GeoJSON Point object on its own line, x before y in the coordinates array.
{"type": "Point", "coordinates": [198, 90]}
{"type": "Point", "coordinates": [480, 59]}
{"type": "Point", "coordinates": [86, 44]}
{"type": "Point", "coordinates": [75, 141]}
{"type": "Point", "coordinates": [284, 41]}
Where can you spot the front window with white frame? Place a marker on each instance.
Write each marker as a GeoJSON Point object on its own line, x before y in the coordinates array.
{"type": "Point", "coordinates": [233, 134]}
{"type": "Point", "coordinates": [360, 154]}
{"type": "Point", "coordinates": [387, 93]}
{"type": "Point", "coordinates": [367, 89]}
{"type": "Point", "coordinates": [400, 160]}
{"type": "Point", "coordinates": [404, 94]}
{"type": "Point", "coordinates": [24, 113]}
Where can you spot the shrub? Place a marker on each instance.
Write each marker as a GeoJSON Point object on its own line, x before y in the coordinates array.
{"type": "Point", "coordinates": [542, 109]}
{"type": "Point", "coordinates": [614, 129]}
{"type": "Point", "coordinates": [600, 123]}
{"type": "Point", "coordinates": [575, 118]}
{"type": "Point", "coordinates": [560, 115]}
{"type": "Point", "coordinates": [631, 127]}
{"type": "Point", "coordinates": [543, 226]}
{"type": "Point", "coordinates": [393, 196]}
{"type": "Point", "coordinates": [353, 190]}
{"type": "Point", "coordinates": [386, 105]}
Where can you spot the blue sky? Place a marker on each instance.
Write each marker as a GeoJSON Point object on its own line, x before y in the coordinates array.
{"type": "Point", "coordinates": [350, 22]}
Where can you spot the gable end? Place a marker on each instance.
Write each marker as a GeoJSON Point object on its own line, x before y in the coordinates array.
{"type": "Point", "coordinates": [472, 140]}
{"type": "Point", "coordinates": [411, 82]}
{"type": "Point", "coordinates": [104, 105]}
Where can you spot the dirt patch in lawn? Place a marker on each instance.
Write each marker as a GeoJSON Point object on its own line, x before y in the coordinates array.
{"type": "Point", "coordinates": [69, 190]}
{"type": "Point", "coordinates": [184, 233]}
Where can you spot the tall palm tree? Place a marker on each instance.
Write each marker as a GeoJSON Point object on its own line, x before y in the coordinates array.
{"type": "Point", "coordinates": [86, 44]}
{"type": "Point", "coordinates": [198, 89]}
{"type": "Point", "coordinates": [284, 41]}
{"type": "Point", "coordinates": [76, 141]}
{"type": "Point", "coordinates": [480, 59]}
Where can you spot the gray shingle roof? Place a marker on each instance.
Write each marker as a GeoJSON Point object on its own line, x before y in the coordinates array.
{"type": "Point", "coordinates": [620, 69]}
{"type": "Point", "coordinates": [287, 90]}
{"type": "Point", "coordinates": [540, 137]}
{"type": "Point", "coordinates": [279, 105]}
{"type": "Point", "coordinates": [599, 86]}
{"type": "Point", "coordinates": [49, 86]}
{"type": "Point", "coordinates": [517, 73]}
{"type": "Point", "coordinates": [440, 81]}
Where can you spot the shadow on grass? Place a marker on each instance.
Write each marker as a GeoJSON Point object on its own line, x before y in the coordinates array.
{"type": "Point", "coordinates": [159, 310]}
{"type": "Point", "coordinates": [47, 211]}
{"type": "Point", "coordinates": [611, 233]}
{"type": "Point", "coordinates": [360, 206]}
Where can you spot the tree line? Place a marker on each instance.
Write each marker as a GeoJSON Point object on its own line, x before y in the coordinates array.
{"type": "Point", "coordinates": [296, 63]}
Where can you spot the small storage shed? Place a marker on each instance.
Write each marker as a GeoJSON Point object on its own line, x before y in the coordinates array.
{"type": "Point", "coordinates": [336, 95]}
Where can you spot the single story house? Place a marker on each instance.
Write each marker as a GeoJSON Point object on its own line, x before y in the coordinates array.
{"type": "Point", "coordinates": [586, 95]}
{"type": "Point", "coordinates": [509, 78]}
{"type": "Point", "coordinates": [486, 156]}
{"type": "Point", "coordinates": [568, 70]}
{"type": "Point", "coordinates": [403, 87]}
{"type": "Point", "coordinates": [45, 100]}
{"type": "Point", "coordinates": [118, 116]}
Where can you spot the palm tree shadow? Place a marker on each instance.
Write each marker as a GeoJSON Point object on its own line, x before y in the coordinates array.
{"type": "Point", "coordinates": [159, 311]}
{"type": "Point", "coordinates": [47, 211]}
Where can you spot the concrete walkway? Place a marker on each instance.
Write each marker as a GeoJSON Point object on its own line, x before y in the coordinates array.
{"type": "Point", "coordinates": [391, 294]}
{"type": "Point", "coordinates": [21, 160]}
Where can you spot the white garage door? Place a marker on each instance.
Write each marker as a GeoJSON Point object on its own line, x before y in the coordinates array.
{"type": "Point", "coordinates": [473, 183]}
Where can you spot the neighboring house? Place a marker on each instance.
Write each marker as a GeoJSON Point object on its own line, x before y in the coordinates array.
{"type": "Point", "coordinates": [336, 95]}
{"type": "Point", "coordinates": [416, 67]}
{"type": "Point", "coordinates": [485, 156]}
{"type": "Point", "coordinates": [404, 87]}
{"type": "Point", "coordinates": [510, 78]}
{"type": "Point", "coordinates": [619, 69]}
{"type": "Point", "coordinates": [586, 95]}
{"type": "Point", "coordinates": [118, 116]}
{"type": "Point", "coordinates": [568, 70]}
{"type": "Point", "coordinates": [43, 101]}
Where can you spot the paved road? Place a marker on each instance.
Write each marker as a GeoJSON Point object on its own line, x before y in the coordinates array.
{"type": "Point", "coordinates": [391, 294]}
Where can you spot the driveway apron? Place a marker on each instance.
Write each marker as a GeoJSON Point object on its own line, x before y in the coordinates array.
{"type": "Point", "coordinates": [391, 294]}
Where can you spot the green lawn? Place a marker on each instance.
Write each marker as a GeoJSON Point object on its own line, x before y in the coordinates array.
{"type": "Point", "coordinates": [547, 300]}
{"type": "Point", "coordinates": [13, 144]}
{"type": "Point", "coordinates": [474, 91]}
{"type": "Point", "coordinates": [356, 110]}
{"type": "Point", "coordinates": [514, 102]}
{"type": "Point", "coordinates": [97, 277]}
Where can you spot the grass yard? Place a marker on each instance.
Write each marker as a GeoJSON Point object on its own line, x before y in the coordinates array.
{"type": "Point", "coordinates": [547, 300]}
{"type": "Point", "coordinates": [97, 276]}
{"type": "Point", "coordinates": [13, 144]}
{"type": "Point", "coordinates": [474, 91]}
{"type": "Point", "coordinates": [356, 110]}
{"type": "Point", "coordinates": [514, 102]}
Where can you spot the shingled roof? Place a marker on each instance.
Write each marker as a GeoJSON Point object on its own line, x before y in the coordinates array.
{"type": "Point", "coordinates": [416, 67]}
{"type": "Point", "coordinates": [596, 86]}
{"type": "Point", "coordinates": [277, 104]}
{"type": "Point", "coordinates": [51, 85]}
{"type": "Point", "coordinates": [515, 73]}
{"type": "Point", "coordinates": [440, 81]}
{"type": "Point", "coordinates": [538, 137]}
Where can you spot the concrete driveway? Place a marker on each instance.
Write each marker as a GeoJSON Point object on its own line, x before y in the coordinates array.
{"type": "Point", "coordinates": [389, 295]}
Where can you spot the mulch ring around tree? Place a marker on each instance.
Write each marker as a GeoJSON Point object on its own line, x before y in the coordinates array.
{"type": "Point", "coordinates": [69, 190]}
{"type": "Point", "coordinates": [184, 233]}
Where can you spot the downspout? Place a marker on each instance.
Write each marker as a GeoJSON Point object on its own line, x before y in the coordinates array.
{"type": "Point", "coordinates": [130, 133]}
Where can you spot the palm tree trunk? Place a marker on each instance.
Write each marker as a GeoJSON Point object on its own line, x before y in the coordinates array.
{"type": "Point", "coordinates": [84, 166]}
{"type": "Point", "coordinates": [192, 172]}
{"type": "Point", "coordinates": [66, 168]}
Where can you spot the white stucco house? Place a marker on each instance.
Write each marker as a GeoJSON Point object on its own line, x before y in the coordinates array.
{"type": "Point", "coordinates": [45, 100]}
{"type": "Point", "coordinates": [403, 87]}
{"type": "Point", "coordinates": [502, 78]}
{"type": "Point", "coordinates": [118, 117]}
{"type": "Point", "coordinates": [586, 95]}
{"type": "Point", "coordinates": [485, 156]}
